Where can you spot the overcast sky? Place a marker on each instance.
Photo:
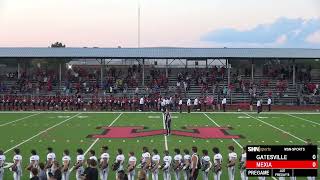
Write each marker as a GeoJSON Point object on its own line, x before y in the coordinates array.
{"type": "Point", "coordinates": [167, 23]}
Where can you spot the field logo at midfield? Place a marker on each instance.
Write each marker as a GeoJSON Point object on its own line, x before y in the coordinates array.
{"type": "Point", "coordinates": [140, 131]}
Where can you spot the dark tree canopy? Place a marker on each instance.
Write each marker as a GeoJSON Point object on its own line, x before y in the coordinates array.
{"type": "Point", "coordinates": [58, 45]}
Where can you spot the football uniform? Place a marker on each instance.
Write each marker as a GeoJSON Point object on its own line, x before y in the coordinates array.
{"type": "Point", "coordinates": [132, 173]}
{"type": "Point", "coordinates": [186, 166]}
{"type": "Point", "coordinates": [144, 158]}
{"type": "Point", "coordinates": [2, 161]}
{"type": "Point", "coordinates": [177, 159]}
{"type": "Point", "coordinates": [18, 173]}
{"type": "Point", "coordinates": [104, 172]}
{"type": "Point", "coordinates": [155, 161]}
{"type": "Point", "coordinates": [206, 165]}
{"type": "Point", "coordinates": [120, 158]}
{"type": "Point", "coordinates": [231, 169]}
{"type": "Point", "coordinates": [243, 160]}
{"type": "Point", "coordinates": [35, 160]}
{"type": "Point", "coordinates": [80, 170]}
{"type": "Point", "coordinates": [93, 158]}
{"type": "Point", "coordinates": [50, 157]}
{"type": "Point", "coordinates": [166, 168]}
{"type": "Point", "coordinates": [66, 173]}
{"type": "Point", "coordinates": [217, 160]}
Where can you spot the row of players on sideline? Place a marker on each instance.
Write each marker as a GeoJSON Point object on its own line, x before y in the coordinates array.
{"type": "Point", "coordinates": [118, 103]}
{"type": "Point", "coordinates": [183, 165]}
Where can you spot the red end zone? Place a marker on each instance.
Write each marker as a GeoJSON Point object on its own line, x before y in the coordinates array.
{"type": "Point", "coordinates": [139, 131]}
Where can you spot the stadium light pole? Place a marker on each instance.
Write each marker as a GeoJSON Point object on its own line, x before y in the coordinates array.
{"type": "Point", "coordinates": [139, 9]}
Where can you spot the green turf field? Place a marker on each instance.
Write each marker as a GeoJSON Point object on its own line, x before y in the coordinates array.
{"type": "Point", "coordinates": [64, 130]}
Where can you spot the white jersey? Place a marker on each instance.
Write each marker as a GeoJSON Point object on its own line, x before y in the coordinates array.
{"type": "Point", "coordinates": [196, 102]}
{"type": "Point", "coordinates": [217, 159]}
{"type": "Point", "coordinates": [187, 157]}
{"type": "Point", "coordinates": [232, 156]}
{"type": "Point", "coordinates": [94, 158]}
{"type": "Point", "coordinates": [269, 101]}
{"type": "Point", "coordinates": [189, 102]}
{"type": "Point", "coordinates": [66, 158]}
{"type": "Point", "coordinates": [120, 158]}
{"type": "Point", "coordinates": [145, 156]}
{"type": "Point", "coordinates": [258, 103]}
{"type": "Point", "coordinates": [167, 160]}
{"type": "Point", "coordinates": [224, 101]}
{"type": "Point", "coordinates": [141, 101]}
{"type": "Point", "coordinates": [35, 158]}
{"type": "Point", "coordinates": [132, 159]}
{"type": "Point", "coordinates": [178, 157]}
{"type": "Point", "coordinates": [2, 160]}
{"type": "Point", "coordinates": [51, 156]}
{"type": "Point", "coordinates": [156, 158]}
{"type": "Point", "coordinates": [205, 161]}
{"type": "Point", "coordinates": [243, 157]}
{"type": "Point", "coordinates": [18, 158]}
{"type": "Point", "coordinates": [80, 157]}
{"type": "Point", "coordinates": [104, 156]}
{"type": "Point", "coordinates": [180, 102]}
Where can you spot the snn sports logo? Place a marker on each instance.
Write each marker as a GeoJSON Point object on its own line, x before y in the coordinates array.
{"type": "Point", "coordinates": [254, 149]}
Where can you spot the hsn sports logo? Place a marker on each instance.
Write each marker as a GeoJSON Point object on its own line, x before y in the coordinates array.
{"type": "Point", "coordinates": [140, 131]}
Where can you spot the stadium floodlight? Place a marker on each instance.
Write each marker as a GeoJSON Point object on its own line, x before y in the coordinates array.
{"type": "Point", "coordinates": [69, 66]}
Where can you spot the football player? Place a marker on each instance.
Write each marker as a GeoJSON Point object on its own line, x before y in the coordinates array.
{"type": "Point", "coordinates": [217, 161]}
{"type": "Point", "coordinates": [186, 164]}
{"type": "Point", "coordinates": [194, 164]}
{"type": "Point", "coordinates": [242, 164]}
{"type": "Point", "coordinates": [92, 155]}
{"type": "Point", "coordinates": [16, 167]}
{"type": "Point", "coordinates": [51, 156]}
{"type": "Point", "coordinates": [155, 163]}
{"type": "Point", "coordinates": [65, 165]}
{"type": "Point", "coordinates": [168, 121]}
{"type": "Point", "coordinates": [177, 164]}
{"type": "Point", "coordinates": [166, 165]}
{"type": "Point", "coordinates": [120, 161]}
{"type": "Point", "coordinates": [145, 160]}
{"type": "Point", "coordinates": [131, 166]}
{"type": "Point", "coordinates": [205, 164]}
{"type": "Point", "coordinates": [79, 164]}
{"type": "Point", "coordinates": [34, 161]}
{"type": "Point", "coordinates": [231, 163]}
{"type": "Point", "coordinates": [2, 161]}
{"type": "Point", "coordinates": [104, 163]}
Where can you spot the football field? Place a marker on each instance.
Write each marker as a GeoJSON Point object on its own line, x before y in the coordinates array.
{"type": "Point", "coordinates": [131, 131]}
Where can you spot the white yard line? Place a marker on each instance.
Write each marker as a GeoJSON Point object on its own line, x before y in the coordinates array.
{"type": "Point", "coordinates": [303, 119]}
{"type": "Point", "coordinates": [165, 137]}
{"type": "Point", "coordinates": [95, 141]}
{"type": "Point", "coordinates": [220, 126]}
{"type": "Point", "coordinates": [286, 132]}
{"type": "Point", "coordinates": [41, 132]}
{"type": "Point", "coordinates": [18, 120]}
{"type": "Point", "coordinates": [99, 138]}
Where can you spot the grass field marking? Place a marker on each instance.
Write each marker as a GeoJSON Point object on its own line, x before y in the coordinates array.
{"type": "Point", "coordinates": [303, 119]}
{"type": "Point", "coordinates": [220, 126]}
{"type": "Point", "coordinates": [95, 141]}
{"type": "Point", "coordinates": [286, 132]}
{"type": "Point", "coordinates": [154, 112]}
{"type": "Point", "coordinates": [19, 119]}
{"type": "Point", "coordinates": [165, 137]}
{"type": "Point", "coordinates": [41, 132]}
